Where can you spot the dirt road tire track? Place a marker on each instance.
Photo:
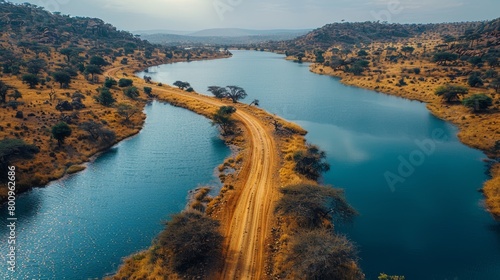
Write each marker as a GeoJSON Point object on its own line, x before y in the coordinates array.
{"type": "Point", "coordinates": [250, 217]}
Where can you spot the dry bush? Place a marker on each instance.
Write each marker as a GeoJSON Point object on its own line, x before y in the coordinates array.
{"type": "Point", "coordinates": [320, 254]}
{"type": "Point", "coordinates": [310, 205]}
{"type": "Point", "coordinates": [191, 242]}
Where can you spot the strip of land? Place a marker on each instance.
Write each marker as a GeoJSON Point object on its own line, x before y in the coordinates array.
{"type": "Point", "coordinates": [246, 217]}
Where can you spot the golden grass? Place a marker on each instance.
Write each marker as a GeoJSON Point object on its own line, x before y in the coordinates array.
{"type": "Point", "coordinates": [75, 168]}
{"type": "Point", "coordinates": [492, 192]}
{"type": "Point", "coordinates": [40, 115]}
{"type": "Point", "coordinates": [287, 145]}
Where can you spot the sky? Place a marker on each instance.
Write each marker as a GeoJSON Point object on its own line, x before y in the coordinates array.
{"type": "Point", "coordinates": [193, 15]}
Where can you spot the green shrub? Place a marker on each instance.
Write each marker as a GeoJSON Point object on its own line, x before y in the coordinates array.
{"type": "Point", "coordinates": [125, 82]}
{"type": "Point", "coordinates": [110, 82]}
{"type": "Point", "coordinates": [478, 102]}
{"type": "Point", "coordinates": [105, 97]}
{"type": "Point", "coordinates": [148, 91]}
{"type": "Point", "coordinates": [131, 92]}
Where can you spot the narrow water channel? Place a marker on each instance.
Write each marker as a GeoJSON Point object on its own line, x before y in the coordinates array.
{"type": "Point", "coordinates": [430, 223]}
{"type": "Point", "coordinates": [82, 226]}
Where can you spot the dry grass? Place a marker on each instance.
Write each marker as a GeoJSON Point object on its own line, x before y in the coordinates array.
{"type": "Point", "coordinates": [75, 168]}
{"type": "Point", "coordinates": [40, 114]}
{"type": "Point", "coordinates": [287, 144]}
{"type": "Point", "coordinates": [492, 192]}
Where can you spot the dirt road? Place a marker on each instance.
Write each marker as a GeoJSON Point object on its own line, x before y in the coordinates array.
{"type": "Point", "coordinates": [248, 219]}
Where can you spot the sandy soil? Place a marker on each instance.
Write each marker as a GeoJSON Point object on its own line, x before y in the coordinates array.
{"type": "Point", "coordinates": [246, 214]}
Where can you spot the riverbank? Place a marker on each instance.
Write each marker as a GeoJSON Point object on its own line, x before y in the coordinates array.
{"type": "Point", "coordinates": [251, 177]}
{"type": "Point", "coordinates": [480, 131]}
{"type": "Point", "coordinates": [241, 183]}
{"type": "Point", "coordinates": [39, 111]}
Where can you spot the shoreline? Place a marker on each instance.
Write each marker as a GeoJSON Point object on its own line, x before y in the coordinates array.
{"type": "Point", "coordinates": [86, 159]}
{"type": "Point", "coordinates": [491, 187]}
{"type": "Point", "coordinates": [79, 165]}
{"type": "Point", "coordinates": [238, 186]}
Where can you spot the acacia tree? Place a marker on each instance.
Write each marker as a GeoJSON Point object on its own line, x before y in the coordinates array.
{"type": "Point", "coordinates": [222, 118]}
{"type": "Point", "coordinates": [407, 49]}
{"type": "Point", "coordinates": [125, 82]}
{"type": "Point", "coordinates": [105, 97]}
{"type": "Point", "coordinates": [70, 52]}
{"type": "Point", "coordinates": [34, 66]}
{"type": "Point", "coordinates": [92, 69]}
{"type": "Point", "coordinates": [475, 80]}
{"type": "Point", "coordinates": [60, 132]}
{"type": "Point", "coordinates": [131, 92]}
{"type": "Point", "coordinates": [126, 111]}
{"type": "Point", "coordinates": [492, 61]}
{"type": "Point", "coordinates": [442, 57]}
{"type": "Point", "coordinates": [218, 92]}
{"type": "Point", "coordinates": [110, 82]}
{"type": "Point", "coordinates": [148, 91]}
{"type": "Point", "coordinates": [311, 162]}
{"type": "Point", "coordinates": [63, 78]}
{"type": "Point", "coordinates": [99, 61]}
{"type": "Point", "coordinates": [478, 102]}
{"type": "Point", "coordinates": [31, 79]}
{"type": "Point", "coordinates": [336, 63]}
{"type": "Point", "coordinates": [4, 89]}
{"type": "Point", "coordinates": [98, 132]}
{"type": "Point", "coordinates": [451, 92]}
{"type": "Point", "coordinates": [182, 85]}
{"type": "Point", "coordinates": [234, 93]}
{"type": "Point", "coordinates": [496, 84]}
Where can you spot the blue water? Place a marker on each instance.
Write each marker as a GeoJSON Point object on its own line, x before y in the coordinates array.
{"type": "Point", "coordinates": [82, 226]}
{"type": "Point", "coordinates": [429, 223]}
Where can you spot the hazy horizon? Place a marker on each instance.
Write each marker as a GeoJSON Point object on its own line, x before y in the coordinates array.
{"type": "Point", "coordinates": [194, 15]}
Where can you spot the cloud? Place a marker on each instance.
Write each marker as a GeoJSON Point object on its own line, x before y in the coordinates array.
{"type": "Point", "coordinates": [268, 14]}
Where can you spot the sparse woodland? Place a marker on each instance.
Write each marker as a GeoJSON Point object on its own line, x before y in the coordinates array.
{"type": "Point", "coordinates": [52, 70]}
{"type": "Point", "coordinates": [453, 67]}
{"type": "Point", "coordinates": [57, 110]}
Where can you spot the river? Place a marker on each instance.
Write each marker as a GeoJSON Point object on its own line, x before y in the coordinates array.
{"type": "Point", "coordinates": [427, 222]}
{"type": "Point", "coordinates": [412, 181]}
{"type": "Point", "coordinates": [82, 226]}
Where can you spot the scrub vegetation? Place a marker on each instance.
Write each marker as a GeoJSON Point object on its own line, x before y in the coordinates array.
{"type": "Point", "coordinates": [55, 96]}
{"type": "Point", "coordinates": [453, 67]}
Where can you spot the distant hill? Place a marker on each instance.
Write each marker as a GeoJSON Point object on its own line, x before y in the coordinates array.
{"type": "Point", "coordinates": [350, 34]}
{"type": "Point", "coordinates": [224, 36]}
{"type": "Point", "coordinates": [162, 31]}
{"type": "Point", "coordinates": [29, 28]}
{"type": "Point", "coordinates": [237, 32]}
